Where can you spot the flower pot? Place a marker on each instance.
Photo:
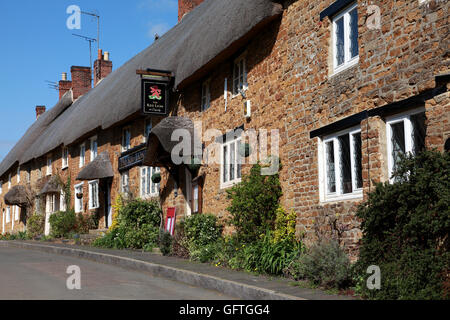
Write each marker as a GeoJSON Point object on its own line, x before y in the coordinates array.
{"type": "Point", "coordinates": [79, 196]}
{"type": "Point", "coordinates": [156, 177]}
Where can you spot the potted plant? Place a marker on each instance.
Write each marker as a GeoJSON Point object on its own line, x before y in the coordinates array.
{"type": "Point", "coordinates": [79, 195]}
{"type": "Point", "coordinates": [156, 177]}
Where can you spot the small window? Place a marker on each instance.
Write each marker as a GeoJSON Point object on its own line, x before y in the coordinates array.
{"type": "Point", "coordinates": [9, 181]}
{"type": "Point", "coordinates": [148, 188]}
{"type": "Point", "coordinates": [231, 163]}
{"type": "Point", "coordinates": [65, 157]}
{"type": "Point", "coordinates": [341, 157]}
{"type": "Point", "coordinates": [345, 39]}
{"type": "Point", "coordinates": [8, 214]}
{"type": "Point", "coordinates": [195, 198]}
{"type": "Point", "coordinates": [18, 174]}
{"type": "Point", "coordinates": [1, 187]}
{"type": "Point", "coordinates": [79, 198]}
{"type": "Point", "coordinates": [94, 146]}
{"type": "Point", "coordinates": [16, 213]}
{"type": "Point", "coordinates": [406, 134]}
{"type": "Point", "coordinates": [239, 75]}
{"type": "Point", "coordinates": [82, 155]}
{"type": "Point", "coordinates": [124, 184]}
{"type": "Point", "coordinates": [126, 139]}
{"type": "Point", "coordinates": [206, 95]}
{"type": "Point", "coordinates": [93, 195]}
{"type": "Point", "coordinates": [147, 128]}
{"type": "Point", "coordinates": [49, 165]}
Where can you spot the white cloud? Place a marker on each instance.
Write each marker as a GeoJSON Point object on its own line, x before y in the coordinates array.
{"type": "Point", "coordinates": [159, 28]}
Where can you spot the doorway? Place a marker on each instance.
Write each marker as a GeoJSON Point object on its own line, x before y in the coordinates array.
{"type": "Point", "coordinates": [108, 206]}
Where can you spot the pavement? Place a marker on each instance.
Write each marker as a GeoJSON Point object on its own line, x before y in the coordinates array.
{"type": "Point", "coordinates": [229, 283]}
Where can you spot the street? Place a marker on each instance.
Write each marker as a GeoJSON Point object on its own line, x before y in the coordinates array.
{"type": "Point", "coordinates": [32, 275]}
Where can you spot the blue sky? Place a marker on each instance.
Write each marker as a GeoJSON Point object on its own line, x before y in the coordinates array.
{"type": "Point", "coordinates": [37, 46]}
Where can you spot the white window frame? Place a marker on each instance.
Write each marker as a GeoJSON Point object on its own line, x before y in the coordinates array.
{"type": "Point", "coordinates": [78, 202]}
{"type": "Point", "coordinates": [9, 181]}
{"type": "Point", "coordinates": [93, 198]}
{"type": "Point", "coordinates": [94, 148]}
{"type": "Point", "coordinates": [206, 95]}
{"type": "Point", "coordinates": [237, 77]}
{"type": "Point", "coordinates": [348, 61]}
{"type": "Point", "coordinates": [326, 196]}
{"type": "Point", "coordinates": [125, 176]}
{"type": "Point", "coordinates": [126, 139]}
{"type": "Point", "coordinates": [147, 123]}
{"type": "Point", "coordinates": [65, 157]}
{"type": "Point", "coordinates": [229, 183]}
{"type": "Point", "coordinates": [148, 187]}
{"type": "Point", "coordinates": [16, 213]}
{"type": "Point", "coordinates": [1, 187]}
{"type": "Point", "coordinates": [18, 174]}
{"type": "Point", "coordinates": [404, 117]}
{"type": "Point", "coordinates": [49, 170]}
{"type": "Point", "coordinates": [8, 214]}
{"type": "Point", "coordinates": [82, 155]}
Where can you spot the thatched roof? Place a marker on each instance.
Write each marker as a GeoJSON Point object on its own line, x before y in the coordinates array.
{"type": "Point", "coordinates": [17, 196]}
{"type": "Point", "coordinates": [98, 169]}
{"type": "Point", "coordinates": [206, 36]}
{"type": "Point", "coordinates": [160, 144]}
{"type": "Point", "coordinates": [53, 185]}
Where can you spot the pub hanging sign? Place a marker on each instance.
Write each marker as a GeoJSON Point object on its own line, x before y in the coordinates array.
{"type": "Point", "coordinates": [155, 97]}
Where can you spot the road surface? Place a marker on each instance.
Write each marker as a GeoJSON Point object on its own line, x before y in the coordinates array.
{"type": "Point", "coordinates": [34, 275]}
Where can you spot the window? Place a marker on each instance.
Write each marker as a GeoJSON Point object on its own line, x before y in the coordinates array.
{"type": "Point", "coordinates": [49, 165]}
{"type": "Point", "coordinates": [124, 180]}
{"type": "Point", "coordinates": [53, 203]}
{"type": "Point", "coordinates": [82, 155]}
{"type": "Point", "coordinates": [231, 163]}
{"type": "Point", "coordinates": [206, 95]}
{"type": "Point", "coordinates": [8, 214]}
{"type": "Point", "coordinates": [239, 75]}
{"type": "Point", "coordinates": [406, 134]}
{"type": "Point", "coordinates": [79, 198]}
{"type": "Point", "coordinates": [9, 181]}
{"type": "Point", "coordinates": [340, 162]}
{"type": "Point", "coordinates": [16, 213]}
{"type": "Point", "coordinates": [147, 128]}
{"type": "Point", "coordinates": [1, 187]}
{"type": "Point", "coordinates": [126, 139]}
{"type": "Point", "coordinates": [148, 188]}
{"type": "Point", "coordinates": [18, 174]}
{"type": "Point", "coordinates": [65, 157]}
{"type": "Point", "coordinates": [93, 195]}
{"type": "Point", "coordinates": [345, 38]}
{"type": "Point", "coordinates": [94, 147]}
{"type": "Point", "coordinates": [62, 201]}
{"type": "Point", "coordinates": [28, 173]}
{"type": "Point", "coordinates": [195, 198]}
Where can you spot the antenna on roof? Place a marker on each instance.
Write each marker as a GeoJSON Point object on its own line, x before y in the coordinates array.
{"type": "Point", "coordinates": [95, 15]}
{"type": "Point", "coordinates": [52, 85]}
{"type": "Point", "coordinates": [90, 40]}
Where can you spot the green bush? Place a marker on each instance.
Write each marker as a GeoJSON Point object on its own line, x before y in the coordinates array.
{"type": "Point", "coordinates": [63, 223]}
{"type": "Point", "coordinates": [137, 213]}
{"type": "Point", "coordinates": [180, 244]}
{"type": "Point", "coordinates": [165, 243]}
{"type": "Point", "coordinates": [139, 238]}
{"type": "Point", "coordinates": [405, 230]}
{"type": "Point", "coordinates": [115, 239]}
{"type": "Point", "coordinates": [201, 230]}
{"type": "Point", "coordinates": [36, 225]}
{"type": "Point", "coordinates": [254, 202]}
{"type": "Point", "coordinates": [324, 264]}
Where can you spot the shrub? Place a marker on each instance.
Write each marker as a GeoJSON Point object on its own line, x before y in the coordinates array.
{"type": "Point", "coordinates": [141, 237]}
{"type": "Point", "coordinates": [63, 223]}
{"type": "Point", "coordinates": [85, 223]}
{"type": "Point", "coordinates": [201, 230]}
{"type": "Point", "coordinates": [115, 239]}
{"type": "Point", "coordinates": [284, 225]}
{"type": "Point", "coordinates": [165, 243]}
{"type": "Point", "coordinates": [36, 225]}
{"type": "Point", "coordinates": [254, 202]}
{"type": "Point", "coordinates": [137, 213]}
{"type": "Point", "coordinates": [324, 264]}
{"type": "Point", "coordinates": [405, 230]}
{"type": "Point", "coordinates": [180, 244]}
{"type": "Point", "coordinates": [206, 253]}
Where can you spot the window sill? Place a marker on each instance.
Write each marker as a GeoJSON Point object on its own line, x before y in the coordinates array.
{"type": "Point", "coordinates": [228, 185]}
{"type": "Point", "coordinates": [345, 67]}
{"type": "Point", "coordinates": [65, 168]}
{"type": "Point", "coordinates": [352, 196]}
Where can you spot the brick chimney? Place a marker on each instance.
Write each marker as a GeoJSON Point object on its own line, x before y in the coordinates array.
{"type": "Point", "coordinates": [39, 111]}
{"type": "Point", "coordinates": [64, 85]}
{"type": "Point", "coordinates": [186, 6]}
{"type": "Point", "coordinates": [81, 81]}
{"type": "Point", "coordinates": [102, 66]}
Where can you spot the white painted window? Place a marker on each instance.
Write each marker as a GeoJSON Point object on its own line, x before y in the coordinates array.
{"type": "Point", "coordinates": [231, 163]}
{"type": "Point", "coordinates": [8, 214]}
{"type": "Point", "coordinates": [82, 155]}
{"type": "Point", "coordinates": [124, 182]}
{"type": "Point", "coordinates": [18, 174]}
{"type": "Point", "coordinates": [93, 195]}
{"type": "Point", "coordinates": [148, 188]}
{"type": "Point", "coordinates": [239, 75]}
{"type": "Point", "coordinates": [52, 203]}
{"type": "Point", "coordinates": [126, 139]}
{"type": "Point", "coordinates": [206, 95]}
{"type": "Point", "coordinates": [16, 213]}
{"type": "Point", "coordinates": [49, 165]}
{"type": "Point", "coordinates": [340, 166]}
{"type": "Point", "coordinates": [1, 187]}
{"type": "Point", "coordinates": [94, 147]}
{"type": "Point", "coordinates": [9, 181]}
{"type": "Point", "coordinates": [195, 198]}
{"type": "Point", "coordinates": [65, 157]}
{"type": "Point", "coordinates": [79, 201]}
{"type": "Point", "coordinates": [345, 38]}
{"type": "Point", "coordinates": [147, 128]}
{"type": "Point", "coordinates": [406, 133]}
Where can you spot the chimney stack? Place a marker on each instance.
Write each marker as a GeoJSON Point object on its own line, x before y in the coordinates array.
{"type": "Point", "coordinates": [39, 111]}
{"type": "Point", "coordinates": [64, 85]}
{"type": "Point", "coordinates": [186, 6]}
{"type": "Point", "coordinates": [102, 67]}
{"type": "Point", "coordinates": [81, 81]}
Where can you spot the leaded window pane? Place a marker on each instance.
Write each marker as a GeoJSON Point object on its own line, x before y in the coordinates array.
{"type": "Point", "coordinates": [331, 171]}
{"type": "Point", "coordinates": [225, 163]}
{"type": "Point", "coordinates": [418, 132]}
{"type": "Point", "coordinates": [398, 142]}
{"type": "Point", "coordinates": [354, 50]}
{"type": "Point", "coordinates": [357, 146]}
{"type": "Point", "coordinates": [345, 164]}
{"type": "Point", "coordinates": [239, 160]}
{"type": "Point", "coordinates": [340, 55]}
{"type": "Point", "coordinates": [232, 160]}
